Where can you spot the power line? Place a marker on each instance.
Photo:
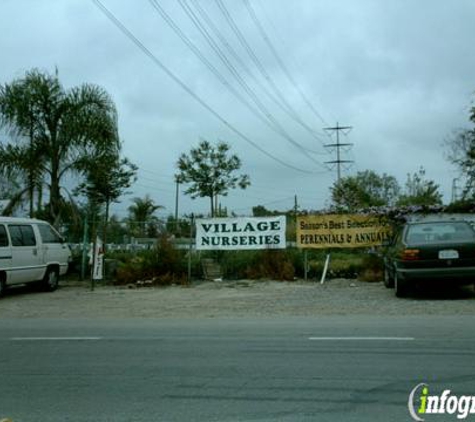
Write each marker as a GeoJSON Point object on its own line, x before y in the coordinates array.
{"type": "Point", "coordinates": [261, 112]}
{"type": "Point", "coordinates": [155, 173]}
{"type": "Point", "coordinates": [195, 96]}
{"type": "Point", "coordinates": [153, 180]}
{"type": "Point", "coordinates": [282, 64]}
{"type": "Point", "coordinates": [306, 193]}
{"type": "Point", "coordinates": [266, 203]}
{"type": "Point", "coordinates": [231, 50]}
{"type": "Point", "coordinates": [156, 189]}
{"type": "Point", "coordinates": [242, 40]}
{"type": "Point", "coordinates": [280, 101]}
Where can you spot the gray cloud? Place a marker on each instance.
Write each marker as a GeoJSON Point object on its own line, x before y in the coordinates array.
{"type": "Point", "coordinates": [401, 73]}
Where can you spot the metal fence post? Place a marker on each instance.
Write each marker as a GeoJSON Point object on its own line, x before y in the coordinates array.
{"type": "Point", "coordinates": [190, 248]}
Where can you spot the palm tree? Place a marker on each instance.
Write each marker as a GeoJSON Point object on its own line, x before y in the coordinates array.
{"type": "Point", "coordinates": [141, 218]}
{"type": "Point", "coordinates": [9, 191]}
{"type": "Point", "coordinates": [24, 159]}
{"type": "Point", "coordinates": [62, 129]}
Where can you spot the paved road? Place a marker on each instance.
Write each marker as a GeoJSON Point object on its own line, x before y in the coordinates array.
{"type": "Point", "coordinates": [301, 369]}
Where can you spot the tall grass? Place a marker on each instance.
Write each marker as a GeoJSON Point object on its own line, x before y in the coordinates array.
{"type": "Point", "coordinates": [165, 265]}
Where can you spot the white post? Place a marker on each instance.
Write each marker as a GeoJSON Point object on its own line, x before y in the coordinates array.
{"type": "Point", "coordinates": [325, 269]}
{"type": "Point", "coordinates": [98, 260]}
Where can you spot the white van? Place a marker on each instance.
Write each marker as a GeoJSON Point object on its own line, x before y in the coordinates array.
{"type": "Point", "coordinates": [31, 251]}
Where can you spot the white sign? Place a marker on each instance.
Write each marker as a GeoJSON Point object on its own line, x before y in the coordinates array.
{"type": "Point", "coordinates": [240, 233]}
{"type": "Point", "coordinates": [97, 273]}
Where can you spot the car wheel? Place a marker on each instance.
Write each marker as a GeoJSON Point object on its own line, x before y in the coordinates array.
{"type": "Point", "coordinates": [400, 285]}
{"type": "Point", "coordinates": [51, 280]}
{"type": "Point", "coordinates": [388, 279]}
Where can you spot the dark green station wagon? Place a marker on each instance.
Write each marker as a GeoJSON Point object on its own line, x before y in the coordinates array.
{"type": "Point", "coordinates": [431, 251]}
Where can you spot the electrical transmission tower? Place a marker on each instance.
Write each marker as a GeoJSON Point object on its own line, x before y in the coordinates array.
{"type": "Point", "coordinates": [338, 145]}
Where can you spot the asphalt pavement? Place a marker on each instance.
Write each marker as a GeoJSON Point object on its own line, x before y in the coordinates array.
{"type": "Point", "coordinates": [334, 368]}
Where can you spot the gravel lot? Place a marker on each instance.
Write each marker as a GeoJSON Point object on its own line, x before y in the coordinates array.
{"type": "Point", "coordinates": [234, 299]}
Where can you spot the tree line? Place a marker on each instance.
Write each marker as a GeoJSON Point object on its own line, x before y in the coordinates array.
{"type": "Point", "coordinates": [59, 147]}
{"type": "Point", "coordinates": [61, 156]}
{"type": "Point", "coordinates": [367, 189]}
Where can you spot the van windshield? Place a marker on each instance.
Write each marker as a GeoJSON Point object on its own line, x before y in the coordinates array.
{"type": "Point", "coordinates": [48, 235]}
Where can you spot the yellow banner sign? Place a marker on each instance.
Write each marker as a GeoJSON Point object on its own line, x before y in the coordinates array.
{"type": "Point", "coordinates": [341, 231]}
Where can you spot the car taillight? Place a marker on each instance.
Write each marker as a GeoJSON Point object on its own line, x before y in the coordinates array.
{"type": "Point", "coordinates": [410, 254]}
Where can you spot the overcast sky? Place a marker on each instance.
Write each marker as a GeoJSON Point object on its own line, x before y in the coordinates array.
{"type": "Point", "coordinates": [401, 73]}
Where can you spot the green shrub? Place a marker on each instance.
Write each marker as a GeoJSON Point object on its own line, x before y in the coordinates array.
{"type": "Point", "coordinates": [275, 264]}
{"type": "Point", "coordinates": [129, 272]}
{"type": "Point", "coordinates": [166, 265]}
{"type": "Point", "coordinates": [162, 264]}
{"type": "Point", "coordinates": [237, 264]}
{"type": "Point", "coordinates": [296, 258]}
{"type": "Point", "coordinates": [269, 263]}
{"type": "Point", "coordinates": [121, 256]}
{"type": "Point", "coordinates": [342, 264]}
{"type": "Point", "coordinates": [372, 268]}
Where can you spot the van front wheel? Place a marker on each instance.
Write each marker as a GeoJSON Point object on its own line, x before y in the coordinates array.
{"type": "Point", "coordinates": [51, 280]}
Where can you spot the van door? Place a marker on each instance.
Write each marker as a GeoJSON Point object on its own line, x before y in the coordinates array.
{"type": "Point", "coordinates": [54, 249]}
{"type": "Point", "coordinates": [5, 252]}
{"type": "Point", "coordinates": [27, 262]}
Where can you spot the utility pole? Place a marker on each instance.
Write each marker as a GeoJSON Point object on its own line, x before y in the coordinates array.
{"type": "Point", "coordinates": [338, 145]}
{"type": "Point", "coordinates": [296, 207]}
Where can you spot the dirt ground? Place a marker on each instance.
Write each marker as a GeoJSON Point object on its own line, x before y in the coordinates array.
{"type": "Point", "coordinates": [228, 299]}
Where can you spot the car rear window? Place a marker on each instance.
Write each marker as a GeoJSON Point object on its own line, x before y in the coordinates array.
{"type": "Point", "coordinates": [439, 232]}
